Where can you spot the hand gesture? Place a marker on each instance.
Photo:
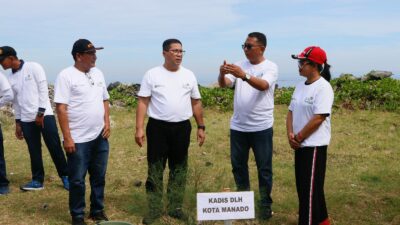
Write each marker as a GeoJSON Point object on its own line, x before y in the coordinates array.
{"type": "Point", "coordinates": [222, 69]}
{"type": "Point", "coordinates": [235, 70]}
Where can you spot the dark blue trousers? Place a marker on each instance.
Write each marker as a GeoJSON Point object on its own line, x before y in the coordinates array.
{"type": "Point", "coordinates": [32, 134]}
{"type": "Point", "coordinates": [261, 143]}
{"type": "Point", "coordinates": [89, 157]}
{"type": "Point", "coordinates": [3, 173]}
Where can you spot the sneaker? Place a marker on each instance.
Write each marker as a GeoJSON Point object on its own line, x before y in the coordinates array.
{"type": "Point", "coordinates": [78, 221]}
{"type": "Point", "coordinates": [98, 217]}
{"type": "Point", "coordinates": [4, 190]}
{"type": "Point", "coordinates": [32, 186]}
{"type": "Point", "coordinates": [65, 182]}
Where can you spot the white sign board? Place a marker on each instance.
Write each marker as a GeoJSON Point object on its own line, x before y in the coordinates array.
{"type": "Point", "coordinates": [225, 205]}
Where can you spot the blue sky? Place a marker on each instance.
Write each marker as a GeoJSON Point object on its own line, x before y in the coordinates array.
{"type": "Point", "coordinates": [358, 35]}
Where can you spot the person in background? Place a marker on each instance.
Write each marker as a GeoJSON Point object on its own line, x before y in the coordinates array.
{"type": "Point", "coordinates": [6, 96]}
{"type": "Point", "coordinates": [251, 125]}
{"type": "Point", "coordinates": [82, 104]}
{"type": "Point", "coordinates": [308, 126]}
{"type": "Point", "coordinates": [34, 116]}
{"type": "Point", "coordinates": [170, 95]}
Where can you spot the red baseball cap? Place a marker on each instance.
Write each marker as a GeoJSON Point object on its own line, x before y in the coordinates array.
{"type": "Point", "coordinates": [312, 53]}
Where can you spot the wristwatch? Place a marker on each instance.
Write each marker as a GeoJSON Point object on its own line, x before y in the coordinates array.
{"type": "Point", "coordinates": [201, 127]}
{"type": "Point", "coordinates": [246, 77]}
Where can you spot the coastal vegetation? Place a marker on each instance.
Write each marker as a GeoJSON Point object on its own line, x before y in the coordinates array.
{"type": "Point", "coordinates": [362, 178]}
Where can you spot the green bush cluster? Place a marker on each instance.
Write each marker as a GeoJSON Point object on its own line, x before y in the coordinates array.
{"type": "Point", "coordinates": [124, 95]}
{"type": "Point", "coordinates": [371, 94]}
{"type": "Point", "coordinates": [283, 95]}
{"type": "Point", "coordinates": [220, 98]}
{"type": "Point", "coordinates": [350, 93]}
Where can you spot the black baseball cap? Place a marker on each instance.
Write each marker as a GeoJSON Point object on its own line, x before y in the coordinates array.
{"type": "Point", "coordinates": [84, 45]}
{"type": "Point", "coordinates": [6, 51]}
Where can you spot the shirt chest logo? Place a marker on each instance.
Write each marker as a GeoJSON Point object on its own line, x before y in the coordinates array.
{"type": "Point", "coordinates": [309, 100]}
{"type": "Point", "coordinates": [158, 85]}
{"type": "Point", "coordinates": [100, 84]}
{"type": "Point", "coordinates": [28, 77]}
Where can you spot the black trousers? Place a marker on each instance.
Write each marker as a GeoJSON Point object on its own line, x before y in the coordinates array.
{"type": "Point", "coordinates": [167, 141]}
{"type": "Point", "coordinates": [310, 166]}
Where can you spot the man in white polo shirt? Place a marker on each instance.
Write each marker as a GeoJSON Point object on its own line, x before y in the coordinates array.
{"type": "Point", "coordinates": [83, 113]}
{"type": "Point", "coordinates": [170, 95]}
{"type": "Point", "coordinates": [34, 116]}
{"type": "Point", "coordinates": [6, 95]}
{"type": "Point", "coordinates": [251, 124]}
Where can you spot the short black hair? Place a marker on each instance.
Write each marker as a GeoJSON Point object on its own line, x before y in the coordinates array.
{"type": "Point", "coordinates": [261, 38]}
{"type": "Point", "coordinates": [167, 43]}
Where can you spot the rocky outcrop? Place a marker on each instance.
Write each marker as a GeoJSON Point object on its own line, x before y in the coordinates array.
{"type": "Point", "coordinates": [347, 76]}
{"type": "Point", "coordinates": [376, 75]}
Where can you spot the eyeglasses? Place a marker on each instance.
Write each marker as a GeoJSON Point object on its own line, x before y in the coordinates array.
{"type": "Point", "coordinates": [302, 63]}
{"type": "Point", "coordinates": [249, 46]}
{"type": "Point", "coordinates": [177, 51]}
{"type": "Point", "coordinates": [90, 79]}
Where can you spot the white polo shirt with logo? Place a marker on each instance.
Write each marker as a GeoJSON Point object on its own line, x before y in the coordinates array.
{"type": "Point", "coordinates": [29, 85]}
{"type": "Point", "coordinates": [84, 94]}
{"type": "Point", "coordinates": [170, 92]}
{"type": "Point", "coordinates": [253, 109]}
{"type": "Point", "coordinates": [307, 101]}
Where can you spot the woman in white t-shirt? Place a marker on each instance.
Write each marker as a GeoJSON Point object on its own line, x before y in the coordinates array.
{"type": "Point", "coordinates": [309, 132]}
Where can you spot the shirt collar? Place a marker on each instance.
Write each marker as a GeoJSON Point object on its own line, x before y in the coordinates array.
{"type": "Point", "coordinates": [19, 68]}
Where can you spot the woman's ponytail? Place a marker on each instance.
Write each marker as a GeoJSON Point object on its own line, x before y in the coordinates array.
{"type": "Point", "coordinates": [325, 71]}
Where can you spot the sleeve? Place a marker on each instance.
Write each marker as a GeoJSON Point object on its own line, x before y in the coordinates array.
{"type": "Point", "coordinates": [6, 94]}
{"type": "Point", "coordinates": [145, 86]}
{"type": "Point", "coordinates": [41, 82]}
{"type": "Point", "coordinates": [106, 96]}
{"type": "Point", "coordinates": [291, 105]}
{"type": "Point", "coordinates": [323, 100]}
{"type": "Point", "coordinates": [271, 75]}
{"type": "Point", "coordinates": [62, 88]}
{"type": "Point", "coordinates": [16, 107]}
{"type": "Point", "coordinates": [231, 78]}
{"type": "Point", "coordinates": [195, 94]}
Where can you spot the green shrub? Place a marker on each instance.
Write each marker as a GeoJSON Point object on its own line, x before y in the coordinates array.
{"type": "Point", "coordinates": [283, 95]}
{"type": "Point", "coordinates": [124, 95]}
{"type": "Point", "coordinates": [372, 94]}
{"type": "Point", "coordinates": [220, 98]}
{"type": "Point", "coordinates": [350, 93]}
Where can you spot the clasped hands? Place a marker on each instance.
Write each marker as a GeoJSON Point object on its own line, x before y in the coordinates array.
{"type": "Point", "coordinates": [233, 69]}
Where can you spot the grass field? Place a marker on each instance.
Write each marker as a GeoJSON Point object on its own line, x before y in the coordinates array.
{"type": "Point", "coordinates": [362, 181]}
